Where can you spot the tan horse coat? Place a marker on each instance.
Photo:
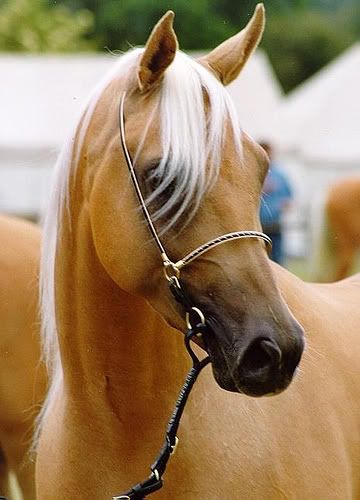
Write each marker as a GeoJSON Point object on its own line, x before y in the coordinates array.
{"type": "Point", "coordinates": [123, 365]}
{"type": "Point", "coordinates": [302, 444]}
{"type": "Point", "coordinates": [22, 379]}
{"type": "Point", "coordinates": [343, 215]}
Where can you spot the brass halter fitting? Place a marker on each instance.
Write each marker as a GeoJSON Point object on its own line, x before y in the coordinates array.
{"type": "Point", "coordinates": [171, 271]}
{"type": "Point", "coordinates": [189, 318]}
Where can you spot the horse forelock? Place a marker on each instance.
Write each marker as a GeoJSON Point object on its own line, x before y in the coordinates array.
{"type": "Point", "coordinates": [195, 112]}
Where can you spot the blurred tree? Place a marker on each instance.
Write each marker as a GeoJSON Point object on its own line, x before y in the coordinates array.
{"type": "Point", "coordinates": [301, 44]}
{"type": "Point", "coordinates": [301, 35]}
{"type": "Point", "coordinates": [240, 13]}
{"type": "Point", "coordinates": [119, 25]}
{"type": "Point", "coordinates": [349, 16]}
{"type": "Point", "coordinates": [28, 25]}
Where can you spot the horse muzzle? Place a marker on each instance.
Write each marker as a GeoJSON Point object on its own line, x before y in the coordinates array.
{"type": "Point", "coordinates": [263, 365]}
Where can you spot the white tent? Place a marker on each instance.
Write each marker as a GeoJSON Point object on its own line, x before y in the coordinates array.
{"type": "Point", "coordinates": [317, 132]}
{"type": "Point", "coordinates": [257, 96]}
{"type": "Point", "coordinates": [41, 97]}
{"type": "Point", "coordinates": [320, 119]}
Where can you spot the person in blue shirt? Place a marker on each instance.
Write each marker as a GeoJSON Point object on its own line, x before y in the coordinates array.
{"type": "Point", "coordinates": [276, 198]}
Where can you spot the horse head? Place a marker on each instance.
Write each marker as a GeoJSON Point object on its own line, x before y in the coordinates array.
{"type": "Point", "coordinates": [201, 177]}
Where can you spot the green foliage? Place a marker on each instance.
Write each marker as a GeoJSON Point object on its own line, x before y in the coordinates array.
{"type": "Point", "coordinates": [240, 12]}
{"type": "Point", "coordinates": [31, 25]}
{"type": "Point", "coordinates": [120, 24]}
{"type": "Point", "coordinates": [300, 45]}
{"type": "Point", "coordinates": [349, 17]}
{"type": "Point", "coordinates": [300, 37]}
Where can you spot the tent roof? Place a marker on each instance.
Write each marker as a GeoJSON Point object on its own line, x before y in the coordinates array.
{"type": "Point", "coordinates": [320, 119]}
{"type": "Point", "coordinates": [41, 96]}
{"type": "Point", "coordinates": [257, 95]}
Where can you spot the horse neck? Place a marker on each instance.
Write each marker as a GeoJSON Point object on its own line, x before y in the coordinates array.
{"type": "Point", "coordinates": [118, 356]}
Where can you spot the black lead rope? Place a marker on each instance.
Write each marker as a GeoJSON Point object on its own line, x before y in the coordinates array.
{"type": "Point", "coordinates": [155, 481]}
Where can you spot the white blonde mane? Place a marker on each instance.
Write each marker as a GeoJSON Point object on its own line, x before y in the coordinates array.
{"type": "Point", "coordinates": [192, 143]}
{"type": "Point", "coordinates": [191, 139]}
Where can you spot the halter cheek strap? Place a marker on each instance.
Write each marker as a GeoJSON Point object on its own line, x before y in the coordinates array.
{"type": "Point", "coordinates": [172, 269]}
{"type": "Point", "coordinates": [195, 321]}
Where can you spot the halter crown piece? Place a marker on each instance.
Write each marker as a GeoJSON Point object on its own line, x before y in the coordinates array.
{"type": "Point", "coordinates": [195, 320]}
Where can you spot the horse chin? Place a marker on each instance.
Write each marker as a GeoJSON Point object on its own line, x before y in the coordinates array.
{"type": "Point", "coordinates": [227, 382]}
{"type": "Point", "coordinates": [272, 389]}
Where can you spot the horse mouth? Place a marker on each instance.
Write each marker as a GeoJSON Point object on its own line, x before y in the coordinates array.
{"type": "Point", "coordinates": [262, 386]}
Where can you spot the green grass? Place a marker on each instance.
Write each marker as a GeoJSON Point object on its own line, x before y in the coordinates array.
{"type": "Point", "coordinates": [300, 267]}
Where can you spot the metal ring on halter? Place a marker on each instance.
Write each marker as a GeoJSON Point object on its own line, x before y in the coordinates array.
{"type": "Point", "coordinates": [174, 446]}
{"type": "Point", "coordinates": [171, 271]}
{"type": "Point", "coordinates": [199, 313]}
{"type": "Point", "coordinates": [156, 474]}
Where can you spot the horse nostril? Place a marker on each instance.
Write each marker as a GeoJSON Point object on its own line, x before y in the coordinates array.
{"type": "Point", "coordinates": [261, 354]}
{"type": "Point", "coordinates": [272, 350]}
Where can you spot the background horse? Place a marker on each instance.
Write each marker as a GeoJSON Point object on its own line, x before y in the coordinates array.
{"type": "Point", "coordinates": [339, 240]}
{"type": "Point", "coordinates": [22, 378]}
{"type": "Point", "coordinates": [111, 324]}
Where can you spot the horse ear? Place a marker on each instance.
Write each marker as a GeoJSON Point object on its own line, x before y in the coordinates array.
{"type": "Point", "coordinates": [228, 59]}
{"type": "Point", "coordinates": [159, 52]}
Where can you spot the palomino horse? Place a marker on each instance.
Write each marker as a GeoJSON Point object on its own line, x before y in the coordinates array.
{"type": "Point", "coordinates": [22, 378]}
{"type": "Point", "coordinates": [340, 241]}
{"type": "Point", "coordinates": [111, 323]}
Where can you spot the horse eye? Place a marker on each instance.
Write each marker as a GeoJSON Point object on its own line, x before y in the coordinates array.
{"type": "Point", "coordinates": [153, 179]}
